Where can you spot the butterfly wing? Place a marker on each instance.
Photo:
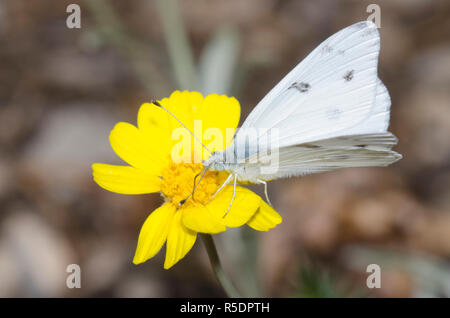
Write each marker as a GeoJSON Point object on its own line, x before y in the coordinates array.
{"type": "Point", "coordinates": [325, 155]}
{"type": "Point", "coordinates": [331, 111]}
{"type": "Point", "coordinates": [330, 91]}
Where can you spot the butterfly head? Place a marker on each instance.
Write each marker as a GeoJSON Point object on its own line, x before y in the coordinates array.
{"type": "Point", "coordinates": [215, 161]}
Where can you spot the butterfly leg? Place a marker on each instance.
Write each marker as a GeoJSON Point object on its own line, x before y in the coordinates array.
{"type": "Point", "coordinates": [265, 191]}
{"type": "Point", "coordinates": [201, 174]}
{"type": "Point", "coordinates": [221, 187]}
{"type": "Point", "coordinates": [232, 198]}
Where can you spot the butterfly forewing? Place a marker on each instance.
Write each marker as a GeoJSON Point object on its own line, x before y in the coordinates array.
{"type": "Point", "coordinates": [332, 101]}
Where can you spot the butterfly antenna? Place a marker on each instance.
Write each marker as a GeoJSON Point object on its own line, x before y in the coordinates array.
{"type": "Point", "coordinates": [155, 102]}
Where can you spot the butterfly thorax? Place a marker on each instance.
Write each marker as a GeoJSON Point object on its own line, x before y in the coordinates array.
{"type": "Point", "coordinates": [217, 162]}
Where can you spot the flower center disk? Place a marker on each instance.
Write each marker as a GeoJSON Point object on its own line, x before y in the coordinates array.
{"type": "Point", "coordinates": [178, 183]}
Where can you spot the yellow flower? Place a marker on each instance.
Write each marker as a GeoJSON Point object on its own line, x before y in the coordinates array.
{"type": "Point", "coordinates": [149, 150]}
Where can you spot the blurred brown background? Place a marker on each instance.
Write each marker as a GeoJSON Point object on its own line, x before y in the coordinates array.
{"type": "Point", "coordinates": [62, 90]}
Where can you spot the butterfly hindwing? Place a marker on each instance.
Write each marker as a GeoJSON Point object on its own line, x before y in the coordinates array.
{"type": "Point", "coordinates": [325, 155]}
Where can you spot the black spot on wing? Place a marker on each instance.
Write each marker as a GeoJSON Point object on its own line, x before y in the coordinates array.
{"type": "Point", "coordinates": [301, 87]}
{"type": "Point", "coordinates": [349, 75]}
{"type": "Point", "coordinates": [327, 49]}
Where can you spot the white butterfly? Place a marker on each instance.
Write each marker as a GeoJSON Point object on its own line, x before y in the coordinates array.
{"type": "Point", "coordinates": [331, 111]}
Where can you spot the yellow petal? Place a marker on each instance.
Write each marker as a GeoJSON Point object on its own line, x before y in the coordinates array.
{"type": "Point", "coordinates": [221, 111]}
{"type": "Point", "coordinates": [200, 219]}
{"type": "Point", "coordinates": [214, 114]}
{"type": "Point", "coordinates": [179, 105]}
{"type": "Point", "coordinates": [196, 102]}
{"type": "Point", "coordinates": [125, 179]}
{"type": "Point", "coordinates": [151, 116]}
{"type": "Point", "coordinates": [142, 153]}
{"type": "Point", "coordinates": [154, 233]}
{"type": "Point", "coordinates": [265, 218]}
{"type": "Point", "coordinates": [244, 205]}
{"type": "Point", "coordinates": [179, 241]}
{"type": "Point", "coordinates": [155, 124]}
{"type": "Point", "coordinates": [187, 108]}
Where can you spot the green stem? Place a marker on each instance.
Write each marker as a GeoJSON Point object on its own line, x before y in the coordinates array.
{"type": "Point", "coordinates": [226, 284]}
